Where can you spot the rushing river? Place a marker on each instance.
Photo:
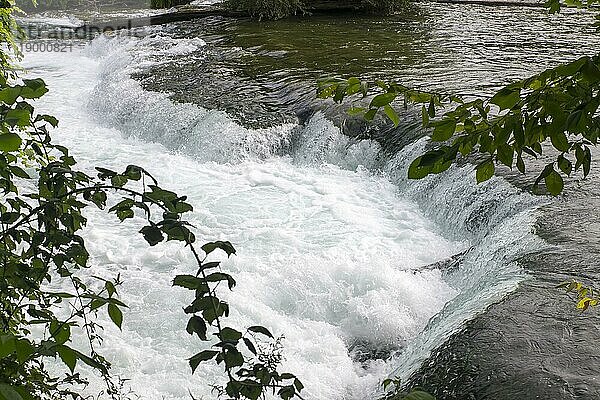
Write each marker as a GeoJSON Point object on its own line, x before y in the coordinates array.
{"type": "Point", "coordinates": [362, 271]}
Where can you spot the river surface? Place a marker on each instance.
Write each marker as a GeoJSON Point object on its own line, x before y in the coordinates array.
{"type": "Point", "coordinates": [363, 272]}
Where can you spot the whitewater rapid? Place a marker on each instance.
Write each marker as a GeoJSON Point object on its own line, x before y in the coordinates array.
{"type": "Point", "coordinates": [331, 237]}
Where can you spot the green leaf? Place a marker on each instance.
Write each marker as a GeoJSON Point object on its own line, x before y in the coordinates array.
{"type": "Point", "coordinates": [200, 357]}
{"type": "Point", "coordinates": [250, 346]}
{"type": "Point", "coordinates": [227, 247]}
{"type": "Point", "coordinates": [7, 345]}
{"type": "Point", "coordinates": [506, 154]}
{"type": "Point", "coordinates": [590, 72]}
{"type": "Point", "coordinates": [152, 234]}
{"type": "Point", "coordinates": [520, 164]}
{"type": "Point", "coordinates": [18, 171]}
{"type": "Point", "coordinates": [115, 314]}
{"type": "Point", "coordinates": [91, 362]}
{"type": "Point", "coordinates": [68, 356]}
{"type": "Point", "coordinates": [119, 180]}
{"type": "Point", "coordinates": [559, 141]}
{"type": "Point", "coordinates": [418, 395]}
{"type": "Point", "coordinates": [287, 392]}
{"type": "Point", "coordinates": [104, 173]}
{"type": "Point", "coordinates": [229, 335]}
{"type": "Point", "coordinates": [9, 95]}
{"type": "Point", "coordinates": [17, 117]}
{"type": "Point", "coordinates": [485, 171]}
{"type": "Point", "coordinates": [24, 349]}
{"type": "Point", "coordinates": [431, 109]}
{"type": "Point", "coordinates": [215, 311]}
{"type": "Point", "coordinates": [382, 99]}
{"type": "Point", "coordinates": [261, 330]}
{"type": "Point", "coordinates": [219, 276]}
{"type": "Point", "coordinates": [298, 384]}
{"type": "Point", "coordinates": [60, 331]}
{"type": "Point", "coordinates": [443, 130]}
{"type": "Point", "coordinates": [110, 288]}
{"type": "Point", "coordinates": [554, 183]}
{"type": "Point", "coordinates": [424, 116]}
{"type": "Point", "coordinates": [133, 172]}
{"type": "Point", "coordinates": [188, 282]}
{"type": "Point", "coordinates": [565, 165]}
{"type": "Point", "coordinates": [506, 98]}
{"type": "Point", "coordinates": [9, 142]}
{"type": "Point", "coordinates": [124, 214]}
{"type": "Point", "coordinates": [370, 115]}
{"type": "Point", "coordinates": [418, 171]}
{"type": "Point", "coordinates": [34, 88]}
{"type": "Point", "coordinates": [48, 118]}
{"type": "Point", "coordinates": [391, 114]}
{"type": "Point", "coordinates": [198, 326]}
{"type": "Point", "coordinates": [233, 358]}
{"type": "Point", "coordinates": [202, 303]}
{"type": "Point", "coordinates": [356, 111]}
{"type": "Point", "coordinates": [7, 392]}
{"type": "Point", "coordinates": [587, 160]}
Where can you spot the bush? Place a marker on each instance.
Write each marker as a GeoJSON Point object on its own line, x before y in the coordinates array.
{"type": "Point", "coordinates": [277, 9]}
{"type": "Point", "coordinates": [266, 9]}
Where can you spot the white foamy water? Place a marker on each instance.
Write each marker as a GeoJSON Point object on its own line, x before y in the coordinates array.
{"type": "Point", "coordinates": [330, 249]}
{"type": "Point", "coordinates": [326, 256]}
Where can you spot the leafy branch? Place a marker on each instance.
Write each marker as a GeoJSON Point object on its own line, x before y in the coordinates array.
{"type": "Point", "coordinates": [558, 107]}
{"type": "Point", "coordinates": [41, 215]}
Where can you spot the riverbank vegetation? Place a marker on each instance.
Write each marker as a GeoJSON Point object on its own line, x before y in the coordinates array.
{"type": "Point", "coordinates": [277, 9]}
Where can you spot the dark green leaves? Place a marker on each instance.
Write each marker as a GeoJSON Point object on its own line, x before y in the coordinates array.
{"type": "Point", "coordinates": [68, 356]}
{"type": "Point", "coordinates": [554, 183]}
{"type": "Point", "coordinates": [262, 330]}
{"type": "Point", "coordinates": [552, 179]}
{"type": "Point", "coordinates": [8, 392]}
{"type": "Point", "coordinates": [9, 142]}
{"type": "Point", "coordinates": [559, 106]}
{"type": "Point", "coordinates": [232, 357]}
{"type": "Point", "coordinates": [189, 282]}
{"type": "Point", "coordinates": [382, 100]}
{"type": "Point", "coordinates": [432, 162]}
{"type": "Point", "coordinates": [505, 154]}
{"type": "Point", "coordinates": [200, 357]}
{"type": "Point", "coordinates": [9, 95]}
{"type": "Point", "coordinates": [418, 395]}
{"type": "Point", "coordinates": [485, 171]}
{"type": "Point", "coordinates": [152, 234]}
{"type": "Point", "coordinates": [18, 117]}
{"type": "Point", "coordinates": [225, 246]}
{"type": "Point", "coordinates": [219, 276]}
{"type": "Point", "coordinates": [506, 98]}
{"type": "Point", "coordinates": [559, 140]}
{"type": "Point", "coordinates": [565, 165]}
{"type": "Point", "coordinates": [391, 114]}
{"type": "Point", "coordinates": [61, 331]}
{"type": "Point", "coordinates": [196, 325]}
{"type": "Point", "coordinates": [116, 315]}
{"type": "Point", "coordinates": [33, 89]}
{"type": "Point", "coordinates": [443, 130]}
